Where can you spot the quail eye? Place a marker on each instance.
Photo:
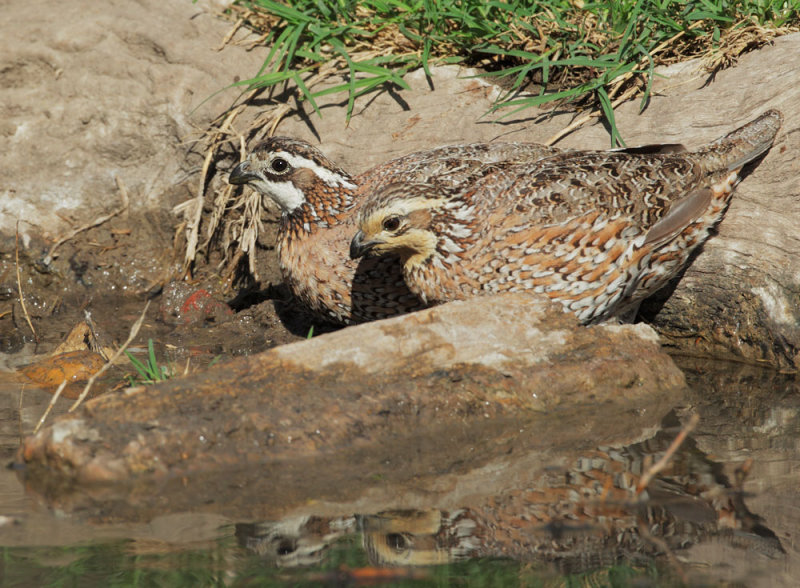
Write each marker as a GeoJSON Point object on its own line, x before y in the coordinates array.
{"type": "Point", "coordinates": [396, 541]}
{"type": "Point", "coordinates": [391, 223]}
{"type": "Point", "coordinates": [279, 165]}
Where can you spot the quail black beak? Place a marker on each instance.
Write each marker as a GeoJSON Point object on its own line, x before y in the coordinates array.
{"type": "Point", "coordinates": [359, 247]}
{"type": "Point", "coordinates": [241, 174]}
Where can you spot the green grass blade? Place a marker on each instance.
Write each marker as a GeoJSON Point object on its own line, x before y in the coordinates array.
{"type": "Point", "coordinates": [291, 46]}
{"type": "Point", "coordinates": [650, 75]}
{"type": "Point", "coordinates": [426, 55]}
{"type": "Point", "coordinates": [153, 362]}
{"type": "Point", "coordinates": [608, 112]}
{"type": "Point", "coordinates": [351, 84]}
{"type": "Point", "coordinates": [306, 92]}
{"type": "Point", "coordinates": [140, 368]}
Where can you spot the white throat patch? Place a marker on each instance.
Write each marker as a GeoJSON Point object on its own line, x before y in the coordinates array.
{"type": "Point", "coordinates": [285, 194]}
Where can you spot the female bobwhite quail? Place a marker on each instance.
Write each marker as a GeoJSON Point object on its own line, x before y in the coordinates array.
{"type": "Point", "coordinates": [596, 231]}
{"type": "Point", "coordinates": [320, 204]}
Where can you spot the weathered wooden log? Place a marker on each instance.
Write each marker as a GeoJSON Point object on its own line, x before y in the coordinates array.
{"type": "Point", "coordinates": [740, 298]}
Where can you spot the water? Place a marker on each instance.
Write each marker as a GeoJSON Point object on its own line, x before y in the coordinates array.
{"type": "Point", "coordinates": [724, 509]}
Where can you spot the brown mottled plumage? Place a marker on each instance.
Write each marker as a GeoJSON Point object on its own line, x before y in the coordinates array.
{"type": "Point", "coordinates": [320, 204]}
{"type": "Point", "coordinates": [596, 231]}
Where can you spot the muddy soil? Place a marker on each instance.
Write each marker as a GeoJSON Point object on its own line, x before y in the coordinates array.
{"type": "Point", "coordinates": [104, 274]}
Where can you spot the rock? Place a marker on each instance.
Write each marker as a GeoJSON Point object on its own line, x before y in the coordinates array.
{"type": "Point", "coordinates": [183, 304]}
{"type": "Point", "coordinates": [449, 387]}
{"type": "Point", "coordinates": [119, 95]}
{"type": "Point", "coordinates": [85, 100]}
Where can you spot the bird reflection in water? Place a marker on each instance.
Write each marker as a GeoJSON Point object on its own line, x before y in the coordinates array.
{"type": "Point", "coordinates": [592, 514]}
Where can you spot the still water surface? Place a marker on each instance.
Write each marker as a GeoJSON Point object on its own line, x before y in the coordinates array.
{"type": "Point", "coordinates": [726, 508]}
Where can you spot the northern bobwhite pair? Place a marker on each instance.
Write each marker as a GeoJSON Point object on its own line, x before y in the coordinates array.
{"type": "Point", "coordinates": [594, 511]}
{"type": "Point", "coordinates": [597, 231]}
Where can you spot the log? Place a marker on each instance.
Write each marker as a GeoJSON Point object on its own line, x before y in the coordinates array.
{"type": "Point", "coordinates": [445, 390]}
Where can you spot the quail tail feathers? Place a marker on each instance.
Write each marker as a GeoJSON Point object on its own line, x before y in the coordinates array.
{"type": "Point", "coordinates": [743, 145]}
{"type": "Point", "coordinates": [727, 154]}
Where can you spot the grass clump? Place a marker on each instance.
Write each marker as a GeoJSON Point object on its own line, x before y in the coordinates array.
{"type": "Point", "coordinates": [579, 51]}
{"type": "Point", "coordinates": [149, 371]}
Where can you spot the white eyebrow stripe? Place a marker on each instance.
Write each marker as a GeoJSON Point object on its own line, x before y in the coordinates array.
{"type": "Point", "coordinates": [331, 178]}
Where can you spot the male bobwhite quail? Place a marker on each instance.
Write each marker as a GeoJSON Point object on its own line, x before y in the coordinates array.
{"type": "Point", "coordinates": [596, 231]}
{"type": "Point", "coordinates": [320, 204]}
